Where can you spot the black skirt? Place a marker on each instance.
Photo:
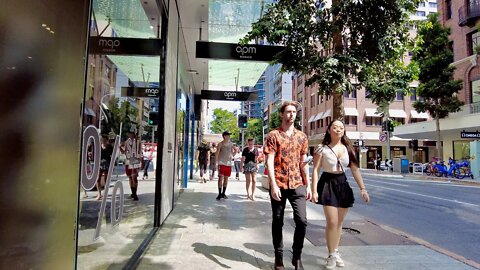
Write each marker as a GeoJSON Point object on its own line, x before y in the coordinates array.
{"type": "Point", "coordinates": [333, 190]}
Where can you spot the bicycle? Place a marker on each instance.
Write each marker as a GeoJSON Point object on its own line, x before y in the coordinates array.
{"type": "Point", "coordinates": [464, 169]}
{"type": "Point", "coordinates": [428, 168]}
{"type": "Point", "coordinates": [440, 169]}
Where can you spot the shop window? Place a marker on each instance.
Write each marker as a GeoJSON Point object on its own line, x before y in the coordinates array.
{"type": "Point", "coordinates": [461, 150]}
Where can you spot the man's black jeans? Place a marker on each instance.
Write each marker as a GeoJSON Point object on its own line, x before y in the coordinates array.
{"type": "Point", "coordinates": [297, 199]}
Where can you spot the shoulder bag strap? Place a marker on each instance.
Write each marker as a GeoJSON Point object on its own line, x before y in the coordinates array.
{"type": "Point", "coordinates": [339, 164]}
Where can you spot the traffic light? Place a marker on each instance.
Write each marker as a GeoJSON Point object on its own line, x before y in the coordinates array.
{"type": "Point", "coordinates": [390, 126]}
{"type": "Point", "coordinates": [242, 121]}
{"type": "Point", "coordinates": [153, 118]}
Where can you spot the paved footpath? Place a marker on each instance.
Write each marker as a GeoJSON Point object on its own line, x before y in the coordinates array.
{"type": "Point", "coordinates": [202, 233]}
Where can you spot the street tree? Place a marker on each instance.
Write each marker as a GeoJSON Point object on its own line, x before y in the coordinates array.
{"type": "Point", "coordinates": [224, 120]}
{"type": "Point", "coordinates": [437, 87]}
{"type": "Point", "coordinates": [254, 130]}
{"type": "Point", "coordinates": [119, 114]}
{"type": "Point", "coordinates": [333, 45]}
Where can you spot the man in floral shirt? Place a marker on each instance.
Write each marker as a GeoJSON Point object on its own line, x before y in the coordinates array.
{"type": "Point", "coordinates": [286, 149]}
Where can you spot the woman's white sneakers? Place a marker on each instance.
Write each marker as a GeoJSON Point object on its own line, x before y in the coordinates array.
{"type": "Point", "coordinates": [331, 262]}
{"type": "Point", "coordinates": [339, 261]}
{"type": "Point", "coordinates": [334, 261]}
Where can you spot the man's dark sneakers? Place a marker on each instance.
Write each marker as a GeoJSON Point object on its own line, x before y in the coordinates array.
{"type": "Point", "coordinates": [297, 263]}
{"type": "Point", "coordinates": [219, 197]}
{"type": "Point", "coordinates": [279, 264]}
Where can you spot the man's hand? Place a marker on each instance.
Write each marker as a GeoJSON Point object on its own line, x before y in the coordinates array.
{"type": "Point", "coordinates": [309, 194]}
{"type": "Point", "coordinates": [276, 194]}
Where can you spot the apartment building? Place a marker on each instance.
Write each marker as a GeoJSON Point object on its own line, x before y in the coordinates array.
{"type": "Point", "coordinates": [460, 134]}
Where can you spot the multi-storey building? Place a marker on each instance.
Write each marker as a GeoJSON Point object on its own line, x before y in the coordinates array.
{"type": "Point", "coordinates": [254, 109]}
{"type": "Point", "coordinates": [461, 17]}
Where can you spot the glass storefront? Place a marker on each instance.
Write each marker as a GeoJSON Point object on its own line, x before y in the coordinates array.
{"type": "Point", "coordinates": [461, 150]}
{"type": "Point", "coordinates": [119, 149]}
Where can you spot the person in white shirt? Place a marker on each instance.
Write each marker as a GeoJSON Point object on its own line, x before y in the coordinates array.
{"type": "Point", "coordinates": [332, 190]}
{"type": "Point", "coordinates": [237, 160]}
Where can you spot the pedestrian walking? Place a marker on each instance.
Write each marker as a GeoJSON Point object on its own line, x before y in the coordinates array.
{"type": "Point", "coordinates": [132, 163]}
{"type": "Point", "coordinates": [213, 160]}
{"type": "Point", "coordinates": [147, 158]}
{"type": "Point", "coordinates": [237, 160]}
{"type": "Point", "coordinates": [286, 149]}
{"type": "Point", "coordinates": [203, 159]}
{"type": "Point", "coordinates": [106, 151]}
{"type": "Point", "coordinates": [224, 161]}
{"type": "Point", "coordinates": [250, 167]}
{"type": "Point", "coordinates": [332, 190]}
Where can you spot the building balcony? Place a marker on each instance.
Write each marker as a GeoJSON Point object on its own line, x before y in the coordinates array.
{"type": "Point", "coordinates": [468, 14]}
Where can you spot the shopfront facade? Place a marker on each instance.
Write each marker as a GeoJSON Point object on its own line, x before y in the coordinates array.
{"type": "Point", "coordinates": [81, 73]}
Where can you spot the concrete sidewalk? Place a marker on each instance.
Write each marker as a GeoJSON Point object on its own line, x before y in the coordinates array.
{"type": "Point", "coordinates": [202, 233]}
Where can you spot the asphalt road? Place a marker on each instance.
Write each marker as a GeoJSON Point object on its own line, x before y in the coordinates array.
{"type": "Point", "coordinates": [444, 214]}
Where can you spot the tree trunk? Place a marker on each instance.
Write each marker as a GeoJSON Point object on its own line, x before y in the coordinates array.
{"type": "Point", "coordinates": [439, 141]}
{"type": "Point", "coordinates": [338, 112]}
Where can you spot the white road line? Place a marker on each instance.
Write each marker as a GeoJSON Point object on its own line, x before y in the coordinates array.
{"type": "Point", "coordinates": [450, 184]}
{"type": "Point", "coordinates": [387, 182]}
{"type": "Point", "coordinates": [428, 196]}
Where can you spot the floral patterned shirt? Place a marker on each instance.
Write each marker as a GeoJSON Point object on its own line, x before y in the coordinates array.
{"type": "Point", "coordinates": [288, 152]}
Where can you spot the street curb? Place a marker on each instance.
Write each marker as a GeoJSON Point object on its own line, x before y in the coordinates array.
{"type": "Point", "coordinates": [428, 245]}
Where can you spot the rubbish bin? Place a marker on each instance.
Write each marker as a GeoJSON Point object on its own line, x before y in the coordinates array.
{"type": "Point", "coordinates": [404, 165]}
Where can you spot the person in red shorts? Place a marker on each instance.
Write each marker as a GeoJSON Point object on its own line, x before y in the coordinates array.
{"type": "Point", "coordinates": [129, 147]}
{"type": "Point", "coordinates": [224, 162]}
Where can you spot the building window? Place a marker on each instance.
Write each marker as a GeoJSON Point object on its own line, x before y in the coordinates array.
{"type": "Point", "coordinates": [368, 121]}
{"type": "Point", "coordinates": [312, 101]}
{"type": "Point", "coordinates": [367, 93]}
{"type": "Point", "coordinates": [473, 41]}
{"type": "Point", "coordinates": [413, 94]}
{"type": "Point", "coordinates": [321, 122]}
{"type": "Point", "coordinates": [448, 9]}
{"type": "Point", "coordinates": [352, 95]}
{"type": "Point", "coordinates": [321, 99]}
{"type": "Point", "coordinates": [399, 95]}
{"type": "Point", "coordinates": [416, 120]}
{"type": "Point", "coordinates": [420, 13]}
{"type": "Point", "coordinates": [421, 4]}
{"type": "Point", "coordinates": [432, 4]}
{"type": "Point", "coordinates": [312, 125]}
{"type": "Point", "coordinates": [400, 120]}
{"type": "Point", "coordinates": [350, 120]}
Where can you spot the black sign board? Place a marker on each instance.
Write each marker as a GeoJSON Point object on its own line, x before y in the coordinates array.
{"type": "Point", "coordinates": [124, 46]}
{"type": "Point", "coordinates": [232, 51]}
{"type": "Point", "coordinates": [148, 92]}
{"type": "Point", "coordinates": [229, 95]}
{"type": "Point", "coordinates": [470, 134]}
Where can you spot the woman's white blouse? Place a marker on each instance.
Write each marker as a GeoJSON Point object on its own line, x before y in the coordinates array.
{"type": "Point", "coordinates": [329, 159]}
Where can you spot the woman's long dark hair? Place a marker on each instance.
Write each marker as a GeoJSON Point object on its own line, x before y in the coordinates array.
{"type": "Point", "coordinates": [345, 141]}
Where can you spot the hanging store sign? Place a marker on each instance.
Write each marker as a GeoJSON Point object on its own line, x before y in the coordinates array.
{"type": "Point", "coordinates": [229, 95]}
{"type": "Point", "coordinates": [470, 134]}
{"type": "Point", "coordinates": [233, 51]}
{"type": "Point", "coordinates": [124, 46]}
{"type": "Point", "coordinates": [148, 92]}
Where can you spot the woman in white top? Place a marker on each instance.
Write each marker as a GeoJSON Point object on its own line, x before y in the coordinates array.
{"type": "Point", "coordinates": [333, 191]}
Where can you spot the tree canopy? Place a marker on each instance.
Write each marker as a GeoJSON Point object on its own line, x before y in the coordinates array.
{"type": "Point", "coordinates": [338, 45]}
{"type": "Point", "coordinates": [437, 87]}
{"type": "Point", "coordinates": [255, 130]}
{"type": "Point", "coordinates": [224, 120]}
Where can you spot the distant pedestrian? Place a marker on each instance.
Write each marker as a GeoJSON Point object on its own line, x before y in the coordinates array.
{"type": "Point", "coordinates": [237, 160]}
{"type": "Point", "coordinates": [132, 163]}
{"type": "Point", "coordinates": [106, 151]}
{"type": "Point", "coordinates": [332, 189]}
{"type": "Point", "coordinates": [213, 160]}
{"type": "Point", "coordinates": [203, 160]}
{"type": "Point", "coordinates": [147, 158]}
{"type": "Point", "coordinates": [379, 161]}
{"type": "Point", "coordinates": [286, 149]}
{"type": "Point", "coordinates": [250, 167]}
{"type": "Point", "coordinates": [224, 161]}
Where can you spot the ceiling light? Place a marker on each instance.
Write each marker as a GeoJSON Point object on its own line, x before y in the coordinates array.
{"type": "Point", "coordinates": [44, 25]}
{"type": "Point", "coordinates": [48, 28]}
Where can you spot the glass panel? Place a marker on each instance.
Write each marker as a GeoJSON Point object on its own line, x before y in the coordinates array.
{"type": "Point", "coordinates": [461, 150]}
{"type": "Point", "coordinates": [117, 208]}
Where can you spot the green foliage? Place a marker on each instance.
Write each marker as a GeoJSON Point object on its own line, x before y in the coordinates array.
{"type": "Point", "coordinates": [433, 55]}
{"type": "Point", "coordinates": [225, 120]}
{"type": "Point", "coordinates": [255, 130]}
{"type": "Point", "coordinates": [353, 39]}
{"type": "Point", "coordinates": [119, 114]}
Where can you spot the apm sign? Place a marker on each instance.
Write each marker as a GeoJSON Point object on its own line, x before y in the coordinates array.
{"type": "Point", "coordinates": [229, 95]}
{"type": "Point", "coordinates": [148, 92]}
{"type": "Point", "coordinates": [232, 51]}
{"type": "Point", "coordinates": [124, 46]}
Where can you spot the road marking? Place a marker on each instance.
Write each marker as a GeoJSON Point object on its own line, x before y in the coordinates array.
{"type": "Point", "coordinates": [428, 196]}
{"type": "Point", "coordinates": [450, 184]}
{"type": "Point", "coordinates": [386, 182]}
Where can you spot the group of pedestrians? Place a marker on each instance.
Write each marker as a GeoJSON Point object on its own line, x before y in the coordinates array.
{"type": "Point", "coordinates": [286, 150]}
{"type": "Point", "coordinates": [223, 157]}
